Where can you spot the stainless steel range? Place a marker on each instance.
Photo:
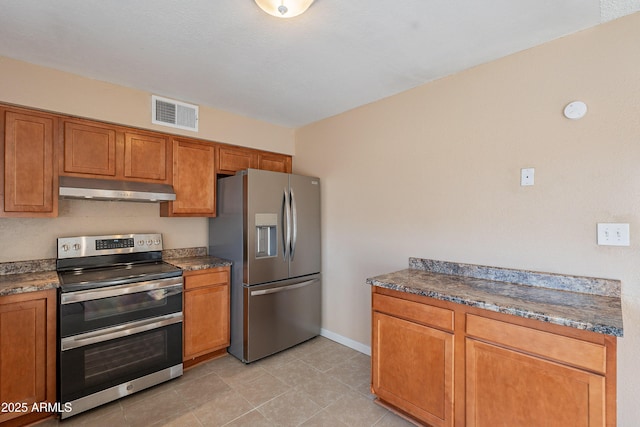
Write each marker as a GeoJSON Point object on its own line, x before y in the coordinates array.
{"type": "Point", "coordinates": [119, 318]}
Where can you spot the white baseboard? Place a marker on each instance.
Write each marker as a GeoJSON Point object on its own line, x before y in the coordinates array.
{"type": "Point", "coordinates": [358, 346]}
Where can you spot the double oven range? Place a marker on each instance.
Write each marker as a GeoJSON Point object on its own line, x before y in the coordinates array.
{"type": "Point", "coordinates": [119, 318]}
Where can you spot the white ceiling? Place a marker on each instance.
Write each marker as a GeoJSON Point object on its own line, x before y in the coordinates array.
{"type": "Point", "coordinates": [230, 55]}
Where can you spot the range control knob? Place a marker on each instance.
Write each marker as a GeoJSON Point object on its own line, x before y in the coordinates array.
{"type": "Point", "coordinates": [76, 247]}
{"type": "Point", "coordinates": [65, 247]}
{"type": "Point", "coordinates": [140, 242]}
{"type": "Point", "coordinates": [156, 242]}
{"type": "Point", "coordinates": [149, 242]}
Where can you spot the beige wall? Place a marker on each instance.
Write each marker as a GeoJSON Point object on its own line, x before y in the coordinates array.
{"type": "Point", "coordinates": [434, 173]}
{"type": "Point", "coordinates": [47, 89]}
{"type": "Point", "coordinates": [35, 238]}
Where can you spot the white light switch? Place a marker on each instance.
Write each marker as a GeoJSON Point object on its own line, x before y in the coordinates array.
{"type": "Point", "coordinates": [526, 176]}
{"type": "Point", "coordinates": [612, 234]}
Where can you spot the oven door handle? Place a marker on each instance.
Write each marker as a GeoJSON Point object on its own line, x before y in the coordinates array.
{"type": "Point", "coordinates": [174, 285]}
{"type": "Point", "coordinates": [119, 331]}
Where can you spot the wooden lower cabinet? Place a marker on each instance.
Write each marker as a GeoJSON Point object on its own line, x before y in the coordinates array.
{"type": "Point", "coordinates": [447, 364]}
{"type": "Point", "coordinates": [506, 387]}
{"type": "Point", "coordinates": [27, 355]}
{"type": "Point", "coordinates": [206, 312]}
{"type": "Point", "coordinates": [404, 351]}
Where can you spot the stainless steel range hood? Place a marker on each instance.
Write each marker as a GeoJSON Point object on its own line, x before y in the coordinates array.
{"type": "Point", "coordinates": [104, 189]}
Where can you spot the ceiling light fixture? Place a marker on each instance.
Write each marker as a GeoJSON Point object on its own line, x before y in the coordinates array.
{"type": "Point", "coordinates": [284, 8]}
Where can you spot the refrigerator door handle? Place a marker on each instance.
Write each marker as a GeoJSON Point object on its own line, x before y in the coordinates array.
{"type": "Point", "coordinates": [286, 225]}
{"type": "Point", "coordinates": [294, 214]}
{"type": "Point", "coordinates": [283, 288]}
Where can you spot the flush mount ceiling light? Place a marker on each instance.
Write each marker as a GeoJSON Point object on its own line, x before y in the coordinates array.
{"type": "Point", "coordinates": [284, 8]}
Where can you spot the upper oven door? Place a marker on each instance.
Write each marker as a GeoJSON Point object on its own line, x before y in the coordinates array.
{"type": "Point", "coordinates": [93, 309]}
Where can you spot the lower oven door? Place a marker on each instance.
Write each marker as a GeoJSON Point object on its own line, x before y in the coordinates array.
{"type": "Point", "coordinates": [95, 364]}
{"type": "Point", "coordinates": [93, 309]}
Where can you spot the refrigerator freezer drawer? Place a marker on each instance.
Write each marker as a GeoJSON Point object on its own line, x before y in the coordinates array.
{"type": "Point", "coordinates": [280, 315]}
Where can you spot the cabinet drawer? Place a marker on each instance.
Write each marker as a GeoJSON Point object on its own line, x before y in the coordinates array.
{"type": "Point", "coordinates": [572, 351]}
{"type": "Point", "coordinates": [206, 278]}
{"type": "Point", "coordinates": [421, 313]}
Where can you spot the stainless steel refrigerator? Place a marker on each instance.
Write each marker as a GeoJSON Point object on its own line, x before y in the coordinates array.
{"type": "Point", "coordinates": [268, 224]}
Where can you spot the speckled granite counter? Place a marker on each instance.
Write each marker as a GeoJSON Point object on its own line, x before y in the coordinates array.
{"type": "Point", "coordinates": [27, 276]}
{"type": "Point", "coordinates": [37, 275]}
{"type": "Point", "coordinates": [193, 259]}
{"type": "Point", "coordinates": [198, 263]}
{"type": "Point", "coordinates": [580, 302]}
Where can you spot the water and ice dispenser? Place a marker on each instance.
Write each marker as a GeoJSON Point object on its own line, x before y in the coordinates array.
{"type": "Point", "coordinates": [266, 235]}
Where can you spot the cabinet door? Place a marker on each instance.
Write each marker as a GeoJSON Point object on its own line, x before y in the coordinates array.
{"type": "Point", "coordinates": [206, 320]}
{"type": "Point", "coordinates": [27, 350]}
{"type": "Point", "coordinates": [89, 149]}
{"type": "Point", "coordinates": [232, 160]}
{"type": "Point", "coordinates": [193, 180]}
{"type": "Point", "coordinates": [29, 182]}
{"type": "Point", "coordinates": [145, 156]}
{"type": "Point", "coordinates": [412, 368]}
{"type": "Point", "coordinates": [274, 162]}
{"type": "Point", "coordinates": [508, 388]}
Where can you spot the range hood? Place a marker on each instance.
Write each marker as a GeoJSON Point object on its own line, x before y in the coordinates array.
{"type": "Point", "coordinates": [104, 189]}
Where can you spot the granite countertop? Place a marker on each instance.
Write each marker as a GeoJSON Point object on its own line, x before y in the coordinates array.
{"type": "Point", "coordinates": [198, 262]}
{"type": "Point", "coordinates": [11, 284]}
{"type": "Point", "coordinates": [579, 302]}
{"type": "Point", "coordinates": [37, 275]}
{"type": "Point", "coordinates": [192, 259]}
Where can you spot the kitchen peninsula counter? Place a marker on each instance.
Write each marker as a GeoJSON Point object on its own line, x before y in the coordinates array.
{"type": "Point", "coordinates": [579, 302]}
{"type": "Point", "coordinates": [460, 344]}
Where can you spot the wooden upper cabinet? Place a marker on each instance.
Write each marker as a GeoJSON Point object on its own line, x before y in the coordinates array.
{"type": "Point", "coordinates": [274, 162]}
{"type": "Point", "coordinates": [98, 150]}
{"type": "Point", "coordinates": [29, 184]}
{"type": "Point", "coordinates": [193, 180]}
{"type": "Point", "coordinates": [89, 149]}
{"type": "Point", "coordinates": [234, 159]}
{"type": "Point", "coordinates": [145, 156]}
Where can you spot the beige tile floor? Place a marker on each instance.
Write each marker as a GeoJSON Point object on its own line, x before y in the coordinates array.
{"type": "Point", "coordinates": [317, 383]}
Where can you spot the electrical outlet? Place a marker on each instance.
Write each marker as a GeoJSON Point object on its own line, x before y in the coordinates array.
{"type": "Point", "coordinates": [613, 234]}
{"type": "Point", "coordinates": [526, 176]}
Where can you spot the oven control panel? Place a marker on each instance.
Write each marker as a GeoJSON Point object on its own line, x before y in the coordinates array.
{"type": "Point", "coordinates": [114, 244]}
{"type": "Point", "coordinates": [82, 246]}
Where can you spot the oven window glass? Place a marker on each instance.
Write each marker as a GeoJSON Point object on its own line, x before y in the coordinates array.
{"type": "Point", "coordinates": [96, 367]}
{"type": "Point", "coordinates": [117, 359]}
{"type": "Point", "coordinates": [85, 316]}
{"type": "Point", "coordinates": [113, 306]}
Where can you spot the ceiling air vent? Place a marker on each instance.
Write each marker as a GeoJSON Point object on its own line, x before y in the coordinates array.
{"type": "Point", "coordinates": [175, 114]}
